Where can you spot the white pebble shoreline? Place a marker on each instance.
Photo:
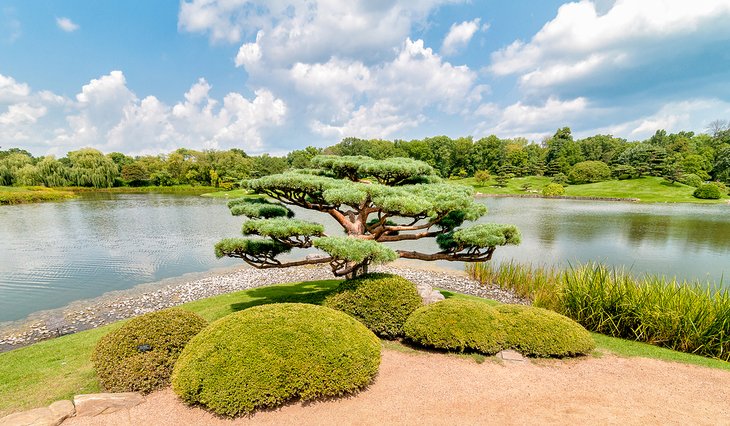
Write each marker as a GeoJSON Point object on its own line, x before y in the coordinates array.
{"type": "Point", "coordinates": [120, 305]}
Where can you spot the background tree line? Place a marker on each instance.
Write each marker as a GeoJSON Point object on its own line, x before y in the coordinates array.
{"type": "Point", "coordinates": [684, 156]}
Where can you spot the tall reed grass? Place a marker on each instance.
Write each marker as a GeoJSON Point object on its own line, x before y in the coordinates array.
{"type": "Point", "coordinates": [685, 316]}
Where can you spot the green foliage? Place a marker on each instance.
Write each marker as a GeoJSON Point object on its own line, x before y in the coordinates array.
{"type": "Point", "coordinates": [589, 172]}
{"type": "Point", "coordinates": [482, 235]}
{"type": "Point", "coordinates": [482, 176]}
{"type": "Point", "coordinates": [466, 325]}
{"type": "Point", "coordinates": [456, 325]}
{"type": "Point", "coordinates": [382, 302]}
{"type": "Point", "coordinates": [560, 179]}
{"type": "Point", "coordinates": [707, 191]}
{"type": "Point", "coordinates": [691, 180]}
{"type": "Point", "coordinates": [34, 194]}
{"type": "Point", "coordinates": [688, 317]}
{"type": "Point", "coordinates": [281, 228]}
{"type": "Point", "coordinates": [123, 366]}
{"type": "Point", "coordinates": [264, 356]}
{"type": "Point", "coordinates": [553, 190]}
{"type": "Point", "coordinates": [542, 333]}
{"type": "Point", "coordinates": [258, 207]}
{"type": "Point", "coordinates": [89, 167]}
{"type": "Point", "coordinates": [236, 247]}
{"type": "Point", "coordinates": [355, 249]}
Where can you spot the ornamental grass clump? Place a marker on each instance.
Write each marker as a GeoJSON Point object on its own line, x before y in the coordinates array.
{"type": "Point", "coordinates": [139, 356]}
{"type": "Point", "coordinates": [383, 302]}
{"type": "Point", "coordinates": [266, 355]}
{"type": "Point", "coordinates": [473, 326]}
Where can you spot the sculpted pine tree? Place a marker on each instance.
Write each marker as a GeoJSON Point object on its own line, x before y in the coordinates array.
{"type": "Point", "coordinates": [375, 202]}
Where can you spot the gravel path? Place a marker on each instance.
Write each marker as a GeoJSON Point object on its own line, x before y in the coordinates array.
{"type": "Point", "coordinates": [436, 389]}
{"type": "Point", "coordinates": [119, 305]}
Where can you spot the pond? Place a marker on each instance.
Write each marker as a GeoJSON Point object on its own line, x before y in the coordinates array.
{"type": "Point", "coordinates": [55, 253]}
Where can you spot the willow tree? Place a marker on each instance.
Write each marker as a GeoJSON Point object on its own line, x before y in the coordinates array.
{"type": "Point", "coordinates": [376, 202]}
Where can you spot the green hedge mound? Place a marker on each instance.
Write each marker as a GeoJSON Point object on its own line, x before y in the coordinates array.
{"type": "Point", "coordinates": [456, 325]}
{"type": "Point", "coordinates": [264, 356]}
{"type": "Point", "coordinates": [139, 356]}
{"type": "Point", "coordinates": [383, 302]}
{"type": "Point", "coordinates": [473, 326]}
{"type": "Point", "coordinates": [542, 333]}
{"type": "Point", "coordinates": [708, 191]}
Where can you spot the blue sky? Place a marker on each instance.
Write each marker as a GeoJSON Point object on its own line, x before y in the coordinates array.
{"type": "Point", "coordinates": [146, 77]}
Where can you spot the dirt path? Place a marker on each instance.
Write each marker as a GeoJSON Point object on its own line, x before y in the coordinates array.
{"type": "Point", "coordinates": [439, 389]}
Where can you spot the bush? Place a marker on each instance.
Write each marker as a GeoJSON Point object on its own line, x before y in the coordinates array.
{"type": "Point", "coordinates": [469, 325]}
{"type": "Point", "coordinates": [382, 302]}
{"type": "Point", "coordinates": [589, 172]}
{"type": "Point", "coordinates": [123, 366]}
{"type": "Point", "coordinates": [482, 176]}
{"type": "Point", "coordinates": [542, 333]}
{"type": "Point", "coordinates": [266, 355]}
{"type": "Point", "coordinates": [707, 191]}
{"type": "Point", "coordinates": [691, 180]}
{"type": "Point", "coordinates": [553, 190]}
{"type": "Point", "coordinates": [456, 325]}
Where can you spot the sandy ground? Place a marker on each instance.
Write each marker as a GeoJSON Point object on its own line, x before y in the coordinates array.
{"type": "Point", "coordinates": [426, 388]}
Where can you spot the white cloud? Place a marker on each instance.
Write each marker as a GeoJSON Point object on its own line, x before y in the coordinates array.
{"type": "Point", "coordinates": [66, 24]}
{"type": "Point", "coordinates": [10, 27]}
{"type": "Point", "coordinates": [392, 95]}
{"type": "Point", "coordinates": [107, 115]}
{"type": "Point", "coordinates": [459, 36]}
{"type": "Point", "coordinates": [291, 31]}
{"type": "Point", "coordinates": [581, 43]}
{"type": "Point", "coordinates": [532, 121]}
{"type": "Point", "coordinates": [11, 90]}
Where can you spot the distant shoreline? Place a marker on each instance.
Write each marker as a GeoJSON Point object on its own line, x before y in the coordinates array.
{"type": "Point", "coordinates": [561, 197]}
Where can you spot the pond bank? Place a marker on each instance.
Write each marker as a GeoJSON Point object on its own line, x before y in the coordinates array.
{"type": "Point", "coordinates": [558, 197]}
{"type": "Point", "coordinates": [118, 305]}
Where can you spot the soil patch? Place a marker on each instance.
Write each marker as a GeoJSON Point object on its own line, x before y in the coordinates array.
{"type": "Point", "coordinates": [429, 388]}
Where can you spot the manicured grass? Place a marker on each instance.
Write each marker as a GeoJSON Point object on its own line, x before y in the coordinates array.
{"type": "Point", "coordinates": [235, 193]}
{"type": "Point", "coordinates": [646, 189]}
{"type": "Point", "coordinates": [31, 194]}
{"type": "Point", "coordinates": [39, 374]}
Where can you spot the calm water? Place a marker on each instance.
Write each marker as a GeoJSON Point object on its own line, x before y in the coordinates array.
{"type": "Point", "coordinates": [55, 253]}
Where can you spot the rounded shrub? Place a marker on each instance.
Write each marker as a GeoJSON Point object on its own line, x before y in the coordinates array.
{"type": "Point", "coordinates": [383, 302]}
{"type": "Point", "coordinates": [553, 190]}
{"type": "Point", "coordinates": [266, 355]}
{"type": "Point", "coordinates": [469, 325]}
{"type": "Point", "coordinates": [542, 333]}
{"type": "Point", "coordinates": [691, 179]}
{"type": "Point", "coordinates": [589, 172]}
{"type": "Point", "coordinates": [456, 325]}
{"type": "Point", "coordinates": [139, 356]}
{"type": "Point", "coordinates": [707, 191]}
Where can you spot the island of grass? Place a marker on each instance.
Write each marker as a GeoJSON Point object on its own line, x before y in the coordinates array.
{"type": "Point", "coordinates": [32, 194]}
{"type": "Point", "coordinates": [25, 374]}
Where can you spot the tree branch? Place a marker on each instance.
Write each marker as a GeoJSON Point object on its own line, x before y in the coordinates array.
{"type": "Point", "coordinates": [477, 256]}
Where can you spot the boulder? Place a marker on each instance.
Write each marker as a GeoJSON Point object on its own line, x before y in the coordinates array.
{"type": "Point", "coordinates": [52, 415]}
{"type": "Point", "coordinates": [103, 403]}
{"type": "Point", "coordinates": [428, 294]}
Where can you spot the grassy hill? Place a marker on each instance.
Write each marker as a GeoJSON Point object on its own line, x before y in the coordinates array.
{"type": "Point", "coordinates": [646, 189]}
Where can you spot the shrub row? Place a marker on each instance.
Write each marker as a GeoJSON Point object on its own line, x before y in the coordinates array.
{"type": "Point", "coordinates": [684, 316]}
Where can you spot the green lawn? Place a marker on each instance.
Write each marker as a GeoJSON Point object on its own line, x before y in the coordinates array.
{"type": "Point", "coordinates": [31, 194]}
{"type": "Point", "coordinates": [646, 189]}
{"type": "Point", "coordinates": [56, 369]}
{"type": "Point", "coordinates": [235, 193]}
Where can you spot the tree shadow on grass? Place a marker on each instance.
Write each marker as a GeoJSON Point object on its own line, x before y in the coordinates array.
{"type": "Point", "coordinates": [311, 292]}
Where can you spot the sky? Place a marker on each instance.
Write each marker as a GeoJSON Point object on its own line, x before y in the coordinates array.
{"type": "Point", "coordinates": [148, 77]}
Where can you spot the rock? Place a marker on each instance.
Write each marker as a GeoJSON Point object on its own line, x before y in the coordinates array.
{"type": "Point", "coordinates": [510, 356]}
{"type": "Point", "coordinates": [90, 405]}
{"type": "Point", "coordinates": [428, 294]}
{"type": "Point", "coordinates": [52, 415]}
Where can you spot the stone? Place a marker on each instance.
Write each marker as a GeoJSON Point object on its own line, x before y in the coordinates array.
{"type": "Point", "coordinates": [91, 405]}
{"type": "Point", "coordinates": [52, 415]}
{"type": "Point", "coordinates": [63, 409]}
{"type": "Point", "coordinates": [428, 294]}
{"type": "Point", "coordinates": [510, 356]}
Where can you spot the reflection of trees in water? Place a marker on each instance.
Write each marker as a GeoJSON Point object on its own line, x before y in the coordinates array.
{"type": "Point", "coordinates": [647, 228]}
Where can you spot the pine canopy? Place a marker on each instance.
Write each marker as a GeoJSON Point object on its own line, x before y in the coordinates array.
{"type": "Point", "coordinates": [375, 202]}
